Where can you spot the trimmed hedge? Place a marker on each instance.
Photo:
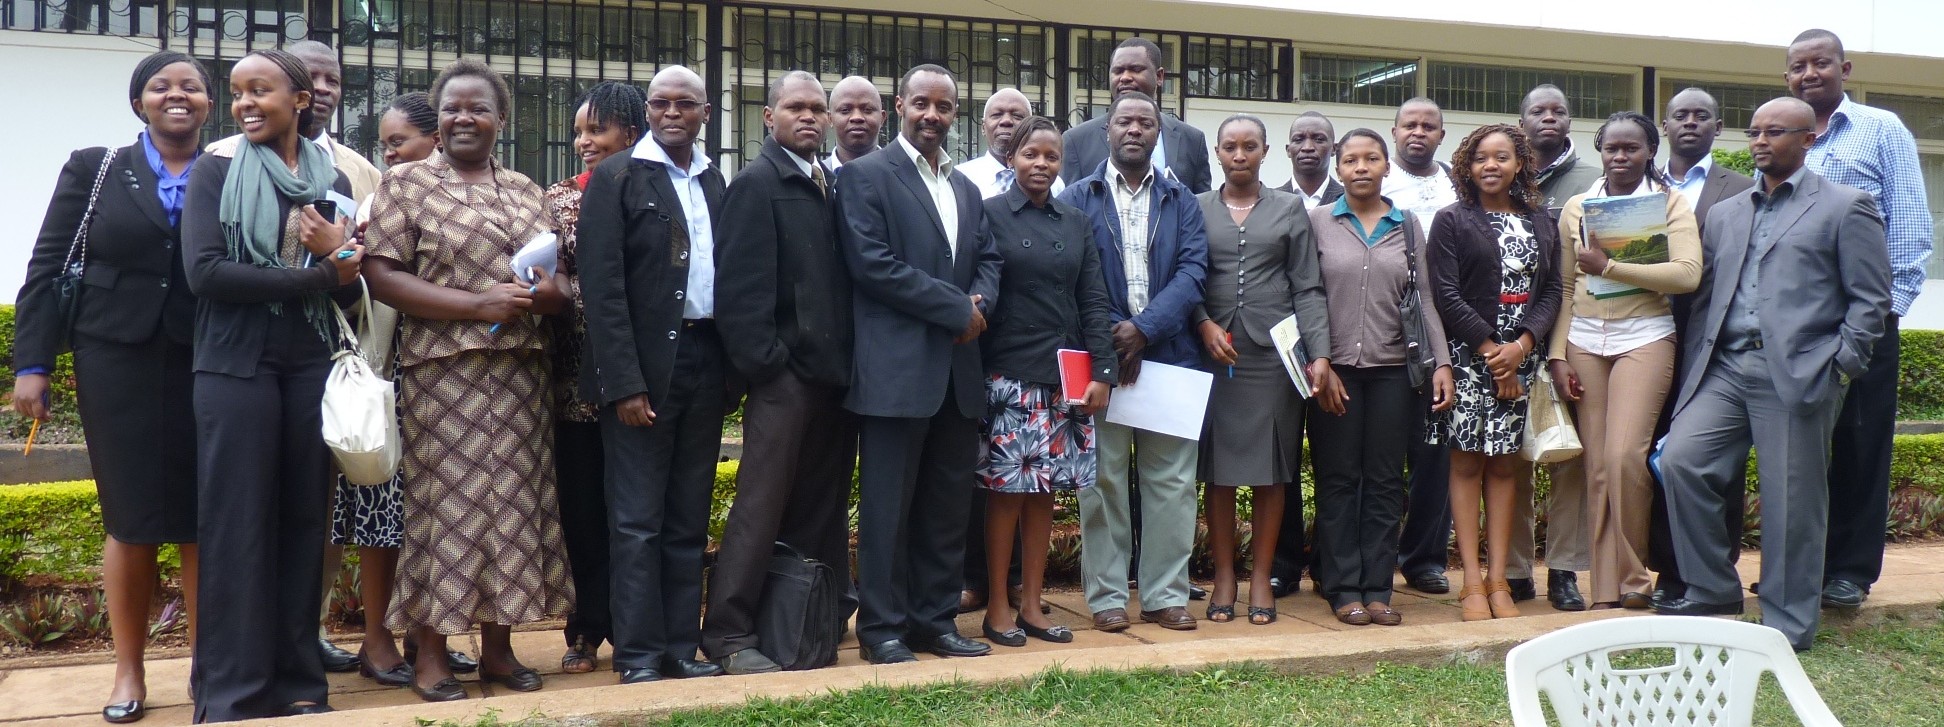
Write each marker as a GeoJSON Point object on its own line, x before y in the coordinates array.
{"type": "Point", "coordinates": [64, 427]}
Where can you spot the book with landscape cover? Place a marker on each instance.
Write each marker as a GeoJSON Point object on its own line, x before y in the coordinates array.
{"type": "Point", "coordinates": [1631, 230]}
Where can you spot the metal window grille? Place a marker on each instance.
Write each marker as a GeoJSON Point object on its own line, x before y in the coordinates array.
{"type": "Point", "coordinates": [1499, 89]}
{"type": "Point", "coordinates": [1092, 53]}
{"type": "Point", "coordinates": [1356, 80]}
{"type": "Point", "coordinates": [1249, 69]}
{"type": "Point", "coordinates": [1738, 101]}
{"type": "Point", "coordinates": [1923, 115]}
{"type": "Point", "coordinates": [129, 18]}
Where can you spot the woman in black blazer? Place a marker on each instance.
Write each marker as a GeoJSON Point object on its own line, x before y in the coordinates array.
{"type": "Point", "coordinates": [266, 268]}
{"type": "Point", "coordinates": [1494, 260]}
{"type": "Point", "coordinates": [1037, 441]}
{"type": "Point", "coordinates": [131, 347]}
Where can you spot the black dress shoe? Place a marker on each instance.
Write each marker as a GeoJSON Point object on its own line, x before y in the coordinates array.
{"type": "Point", "coordinates": [1057, 634]}
{"type": "Point", "coordinates": [689, 668]}
{"type": "Point", "coordinates": [1685, 607]}
{"type": "Point", "coordinates": [1562, 588]}
{"type": "Point", "coordinates": [295, 710]}
{"type": "Point", "coordinates": [886, 652]}
{"type": "Point", "coordinates": [1014, 636]}
{"type": "Point", "coordinates": [1429, 581]}
{"type": "Point", "coordinates": [1279, 587]}
{"type": "Point", "coordinates": [1843, 594]}
{"type": "Point", "coordinates": [523, 679]}
{"type": "Point", "coordinates": [336, 660]}
{"type": "Point", "coordinates": [1522, 589]}
{"type": "Point", "coordinates": [399, 675]}
{"type": "Point", "coordinates": [1197, 593]}
{"type": "Point", "coordinates": [641, 675]}
{"type": "Point", "coordinates": [456, 660]}
{"type": "Point", "coordinates": [123, 712]}
{"type": "Point", "coordinates": [953, 644]}
{"type": "Point", "coordinates": [447, 690]}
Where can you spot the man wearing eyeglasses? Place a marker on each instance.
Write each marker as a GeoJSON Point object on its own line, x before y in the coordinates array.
{"type": "Point", "coordinates": [1867, 148]}
{"type": "Point", "coordinates": [1795, 289]}
{"type": "Point", "coordinates": [1693, 121]}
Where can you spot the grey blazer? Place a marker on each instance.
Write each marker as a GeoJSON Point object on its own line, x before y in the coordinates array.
{"type": "Point", "coordinates": [1086, 148]}
{"type": "Point", "coordinates": [1825, 283]}
{"type": "Point", "coordinates": [1254, 286]}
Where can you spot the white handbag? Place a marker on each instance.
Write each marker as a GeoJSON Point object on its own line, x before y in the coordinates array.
{"type": "Point", "coordinates": [360, 409]}
{"type": "Point", "coordinates": [1549, 433]}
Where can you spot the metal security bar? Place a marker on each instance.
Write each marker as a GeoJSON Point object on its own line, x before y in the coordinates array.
{"type": "Point", "coordinates": [130, 18]}
{"type": "Point", "coordinates": [1499, 89]}
{"type": "Point", "coordinates": [1357, 80]}
{"type": "Point", "coordinates": [1247, 69]}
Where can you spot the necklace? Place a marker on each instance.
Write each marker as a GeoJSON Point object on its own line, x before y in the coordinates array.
{"type": "Point", "coordinates": [1245, 208]}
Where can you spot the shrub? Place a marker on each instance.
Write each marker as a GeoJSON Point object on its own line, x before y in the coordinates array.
{"type": "Point", "coordinates": [39, 620]}
{"type": "Point", "coordinates": [53, 531]}
{"type": "Point", "coordinates": [1739, 160]}
{"type": "Point", "coordinates": [64, 426]}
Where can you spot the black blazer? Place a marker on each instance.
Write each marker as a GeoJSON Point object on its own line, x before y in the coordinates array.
{"type": "Point", "coordinates": [135, 288]}
{"type": "Point", "coordinates": [232, 315]}
{"type": "Point", "coordinates": [911, 292]}
{"type": "Point", "coordinates": [633, 254]}
{"type": "Point", "coordinates": [783, 297]}
{"type": "Point", "coordinates": [1464, 257]}
{"type": "Point", "coordinates": [1054, 296]}
{"type": "Point", "coordinates": [1332, 190]}
{"type": "Point", "coordinates": [1722, 183]}
{"type": "Point", "coordinates": [1086, 148]}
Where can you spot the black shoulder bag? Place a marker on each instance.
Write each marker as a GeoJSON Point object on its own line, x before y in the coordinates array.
{"type": "Point", "coordinates": [67, 283]}
{"type": "Point", "coordinates": [1419, 360]}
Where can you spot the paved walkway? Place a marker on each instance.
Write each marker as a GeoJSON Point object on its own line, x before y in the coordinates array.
{"type": "Point", "coordinates": [69, 691]}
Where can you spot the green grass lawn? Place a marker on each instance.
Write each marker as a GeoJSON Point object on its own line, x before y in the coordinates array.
{"type": "Point", "coordinates": [1887, 675]}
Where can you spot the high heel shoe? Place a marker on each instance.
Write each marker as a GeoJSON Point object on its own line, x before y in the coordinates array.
{"type": "Point", "coordinates": [1466, 611]}
{"type": "Point", "coordinates": [1510, 609]}
{"type": "Point", "coordinates": [399, 675]}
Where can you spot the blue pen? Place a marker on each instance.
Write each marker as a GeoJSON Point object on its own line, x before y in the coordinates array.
{"type": "Point", "coordinates": [495, 329]}
{"type": "Point", "coordinates": [1231, 342]}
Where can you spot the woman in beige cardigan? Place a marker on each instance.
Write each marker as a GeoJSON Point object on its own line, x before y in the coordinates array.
{"type": "Point", "coordinates": [1612, 350]}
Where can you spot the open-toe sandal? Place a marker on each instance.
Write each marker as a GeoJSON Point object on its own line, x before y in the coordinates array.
{"type": "Point", "coordinates": [1262, 615]}
{"type": "Point", "coordinates": [1221, 614]}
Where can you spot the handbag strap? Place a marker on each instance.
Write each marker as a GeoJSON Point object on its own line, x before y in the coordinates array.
{"type": "Point", "coordinates": [77, 256]}
{"type": "Point", "coordinates": [346, 334]}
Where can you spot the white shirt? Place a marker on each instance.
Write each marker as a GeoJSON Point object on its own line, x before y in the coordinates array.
{"type": "Point", "coordinates": [939, 183]}
{"type": "Point", "coordinates": [993, 177]}
{"type": "Point", "coordinates": [699, 302]}
{"type": "Point", "coordinates": [1697, 177]}
{"type": "Point", "coordinates": [802, 164]}
{"type": "Point", "coordinates": [1310, 201]}
{"type": "Point", "coordinates": [1421, 196]}
{"type": "Point", "coordinates": [1131, 203]}
{"type": "Point", "coordinates": [1612, 337]}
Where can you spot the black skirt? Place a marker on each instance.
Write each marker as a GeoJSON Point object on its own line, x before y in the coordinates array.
{"type": "Point", "coordinates": [135, 408]}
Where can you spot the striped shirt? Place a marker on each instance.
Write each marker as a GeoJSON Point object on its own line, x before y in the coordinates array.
{"type": "Point", "coordinates": [1868, 148]}
{"type": "Point", "coordinates": [1131, 205]}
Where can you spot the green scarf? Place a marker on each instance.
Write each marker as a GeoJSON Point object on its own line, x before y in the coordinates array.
{"type": "Point", "coordinates": [252, 218]}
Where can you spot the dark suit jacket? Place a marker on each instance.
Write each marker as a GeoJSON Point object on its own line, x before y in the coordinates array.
{"type": "Point", "coordinates": [1722, 183]}
{"type": "Point", "coordinates": [232, 311]}
{"type": "Point", "coordinates": [134, 285]}
{"type": "Point", "coordinates": [1086, 150]}
{"type": "Point", "coordinates": [1177, 262]}
{"type": "Point", "coordinates": [783, 297]}
{"type": "Point", "coordinates": [1332, 189]}
{"type": "Point", "coordinates": [910, 292]}
{"type": "Point", "coordinates": [1825, 289]}
{"type": "Point", "coordinates": [633, 250]}
{"type": "Point", "coordinates": [1465, 261]}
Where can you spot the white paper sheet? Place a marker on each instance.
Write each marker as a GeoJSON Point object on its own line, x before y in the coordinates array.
{"type": "Point", "coordinates": [1295, 356]}
{"type": "Point", "coordinates": [1166, 399]}
{"type": "Point", "coordinates": [542, 252]}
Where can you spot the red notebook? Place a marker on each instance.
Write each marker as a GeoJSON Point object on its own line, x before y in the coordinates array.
{"type": "Point", "coordinates": [1076, 372]}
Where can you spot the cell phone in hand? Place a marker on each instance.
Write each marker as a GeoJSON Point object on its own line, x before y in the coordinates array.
{"type": "Point", "coordinates": [326, 208]}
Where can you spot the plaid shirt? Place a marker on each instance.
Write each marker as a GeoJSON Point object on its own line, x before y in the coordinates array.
{"type": "Point", "coordinates": [1868, 148]}
{"type": "Point", "coordinates": [1131, 204]}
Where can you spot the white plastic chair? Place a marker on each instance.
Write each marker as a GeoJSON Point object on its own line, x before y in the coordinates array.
{"type": "Point", "coordinates": [1718, 664]}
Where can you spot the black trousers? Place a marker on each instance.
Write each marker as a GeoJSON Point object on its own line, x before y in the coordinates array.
{"type": "Point", "coordinates": [578, 461]}
{"type": "Point", "coordinates": [659, 479]}
{"type": "Point", "coordinates": [1859, 468]}
{"type": "Point", "coordinates": [1360, 490]}
{"type": "Point", "coordinates": [793, 486]}
{"type": "Point", "coordinates": [264, 500]}
{"type": "Point", "coordinates": [914, 485]}
{"type": "Point", "coordinates": [1424, 546]}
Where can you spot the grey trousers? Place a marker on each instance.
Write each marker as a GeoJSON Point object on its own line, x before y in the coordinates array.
{"type": "Point", "coordinates": [1567, 544]}
{"type": "Point", "coordinates": [1704, 464]}
{"type": "Point", "coordinates": [1167, 481]}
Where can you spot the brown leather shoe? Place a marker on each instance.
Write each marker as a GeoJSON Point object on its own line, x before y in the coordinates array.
{"type": "Point", "coordinates": [970, 600]}
{"type": "Point", "coordinates": [1111, 620]}
{"type": "Point", "coordinates": [1173, 618]}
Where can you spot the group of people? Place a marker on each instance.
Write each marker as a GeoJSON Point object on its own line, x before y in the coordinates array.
{"type": "Point", "coordinates": [891, 312]}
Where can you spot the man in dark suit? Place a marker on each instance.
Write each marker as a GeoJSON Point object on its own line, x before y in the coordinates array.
{"type": "Point", "coordinates": [784, 307]}
{"type": "Point", "coordinates": [1693, 121]}
{"type": "Point", "coordinates": [654, 365]}
{"type": "Point", "coordinates": [1311, 140]}
{"type": "Point", "coordinates": [1795, 292]}
{"type": "Point", "coordinates": [1181, 151]}
{"type": "Point", "coordinates": [913, 235]}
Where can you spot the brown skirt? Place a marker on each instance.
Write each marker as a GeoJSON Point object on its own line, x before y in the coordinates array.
{"type": "Point", "coordinates": [482, 521]}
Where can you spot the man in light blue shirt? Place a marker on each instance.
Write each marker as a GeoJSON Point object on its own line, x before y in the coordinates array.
{"type": "Point", "coordinates": [1867, 148]}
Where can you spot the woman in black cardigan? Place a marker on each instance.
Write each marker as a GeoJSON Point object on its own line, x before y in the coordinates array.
{"type": "Point", "coordinates": [1494, 258]}
{"type": "Point", "coordinates": [131, 348]}
{"type": "Point", "coordinates": [1037, 441]}
{"type": "Point", "coordinates": [266, 268]}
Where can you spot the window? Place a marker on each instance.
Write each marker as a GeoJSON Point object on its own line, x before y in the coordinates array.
{"type": "Point", "coordinates": [1499, 89]}
{"type": "Point", "coordinates": [222, 28]}
{"type": "Point", "coordinates": [1347, 79]}
{"type": "Point", "coordinates": [1738, 101]}
{"type": "Point", "coordinates": [1922, 114]}
{"type": "Point", "coordinates": [100, 17]}
{"type": "Point", "coordinates": [1933, 166]}
{"type": "Point", "coordinates": [1235, 68]}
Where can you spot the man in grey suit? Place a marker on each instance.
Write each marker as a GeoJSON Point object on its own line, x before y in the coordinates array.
{"type": "Point", "coordinates": [1795, 290]}
{"type": "Point", "coordinates": [923, 274]}
{"type": "Point", "coordinates": [1181, 151]}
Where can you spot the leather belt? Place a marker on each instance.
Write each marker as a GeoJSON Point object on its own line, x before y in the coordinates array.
{"type": "Point", "coordinates": [1514, 297]}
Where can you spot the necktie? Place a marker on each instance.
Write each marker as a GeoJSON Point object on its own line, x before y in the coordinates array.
{"type": "Point", "coordinates": [1006, 179]}
{"type": "Point", "coordinates": [817, 175]}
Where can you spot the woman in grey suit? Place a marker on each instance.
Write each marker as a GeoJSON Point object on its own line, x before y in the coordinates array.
{"type": "Point", "coordinates": [1262, 268]}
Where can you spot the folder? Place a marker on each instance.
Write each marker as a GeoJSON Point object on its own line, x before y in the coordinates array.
{"type": "Point", "coordinates": [1076, 372]}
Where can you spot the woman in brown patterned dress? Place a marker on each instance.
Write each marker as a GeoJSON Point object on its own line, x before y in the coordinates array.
{"type": "Point", "coordinates": [611, 118]}
{"type": "Point", "coordinates": [482, 528]}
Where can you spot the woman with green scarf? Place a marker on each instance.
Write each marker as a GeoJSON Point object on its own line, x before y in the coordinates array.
{"type": "Point", "coordinates": [266, 268]}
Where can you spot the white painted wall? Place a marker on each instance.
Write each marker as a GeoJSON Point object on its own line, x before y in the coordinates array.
{"type": "Point", "coordinates": [70, 92]}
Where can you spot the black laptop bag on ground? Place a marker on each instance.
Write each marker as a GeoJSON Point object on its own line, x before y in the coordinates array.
{"type": "Point", "coordinates": [797, 619]}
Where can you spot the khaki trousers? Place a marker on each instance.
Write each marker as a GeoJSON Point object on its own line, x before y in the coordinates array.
{"type": "Point", "coordinates": [1622, 402]}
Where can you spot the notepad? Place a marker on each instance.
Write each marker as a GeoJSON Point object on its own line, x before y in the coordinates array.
{"type": "Point", "coordinates": [1076, 372]}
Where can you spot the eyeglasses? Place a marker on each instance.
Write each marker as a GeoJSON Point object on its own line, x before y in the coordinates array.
{"type": "Point", "coordinates": [1754, 134]}
{"type": "Point", "coordinates": [661, 105]}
